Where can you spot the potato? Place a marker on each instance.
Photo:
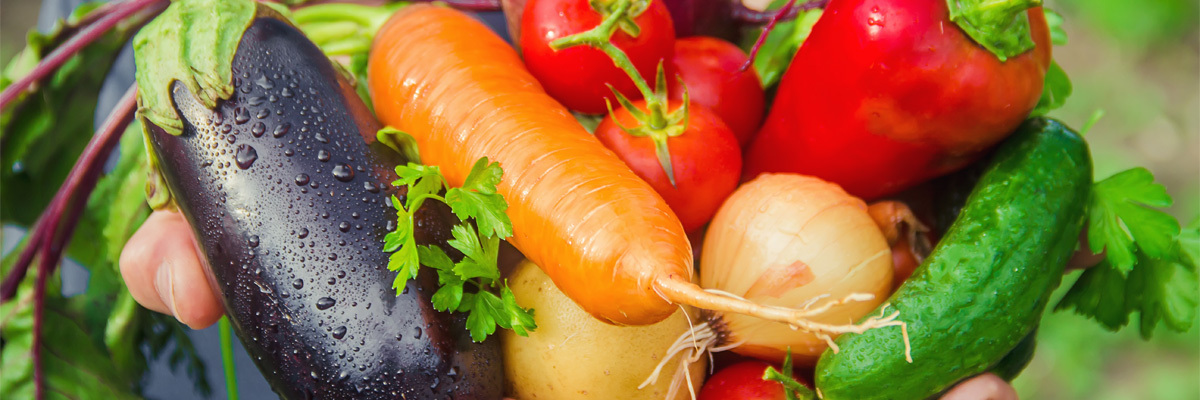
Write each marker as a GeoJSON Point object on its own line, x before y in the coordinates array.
{"type": "Point", "coordinates": [572, 355]}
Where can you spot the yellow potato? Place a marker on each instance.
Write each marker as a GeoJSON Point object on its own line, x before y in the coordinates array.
{"type": "Point", "coordinates": [572, 355]}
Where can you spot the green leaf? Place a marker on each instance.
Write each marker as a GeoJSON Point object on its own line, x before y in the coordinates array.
{"type": "Point", "coordinates": [1002, 27]}
{"type": "Point", "coordinates": [1164, 291]}
{"type": "Point", "coordinates": [1054, 20]}
{"type": "Point", "coordinates": [1055, 91]}
{"type": "Point", "coordinates": [479, 256]}
{"type": "Point", "coordinates": [1099, 294]}
{"type": "Point", "coordinates": [406, 262]}
{"type": "Point", "coordinates": [476, 202]}
{"type": "Point", "coordinates": [38, 140]}
{"type": "Point", "coordinates": [401, 142]}
{"type": "Point", "coordinates": [477, 199]}
{"type": "Point", "coordinates": [780, 47]}
{"type": "Point", "coordinates": [74, 367]}
{"type": "Point", "coordinates": [520, 320]}
{"type": "Point", "coordinates": [1121, 222]}
{"type": "Point", "coordinates": [484, 307]}
{"type": "Point", "coordinates": [1160, 289]}
{"type": "Point", "coordinates": [421, 180]}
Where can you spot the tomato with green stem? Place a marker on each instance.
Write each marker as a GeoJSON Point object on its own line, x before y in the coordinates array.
{"type": "Point", "coordinates": [744, 381]}
{"type": "Point", "coordinates": [712, 71]}
{"type": "Point", "coordinates": [578, 76]}
{"type": "Point", "coordinates": [704, 159]}
{"type": "Point", "coordinates": [709, 155]}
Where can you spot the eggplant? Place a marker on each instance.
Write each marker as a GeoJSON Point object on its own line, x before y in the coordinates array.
{"type": "Point", "coordinates": [289, 196]}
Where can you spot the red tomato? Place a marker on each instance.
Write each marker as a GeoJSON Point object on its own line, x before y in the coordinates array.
{"type": "Point", "coordinates": [706, 160]}
{"type": "Point", "coordinates": [710, 69]}
{"type": "Point", "coordinates": [576, 76]}
{"type": "Point", "coordinates": [742, 381]}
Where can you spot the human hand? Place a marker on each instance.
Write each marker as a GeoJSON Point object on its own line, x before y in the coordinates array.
{"type": "Point", "coordinates": [983, 387]}
{"type": "Point", "coordinates": [162, 267]}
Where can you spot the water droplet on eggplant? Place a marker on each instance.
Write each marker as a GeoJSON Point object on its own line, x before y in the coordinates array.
{"type": "Point", "coordinates": [245, 156]}
{"type": "Point", "coordinates": [343, 173]}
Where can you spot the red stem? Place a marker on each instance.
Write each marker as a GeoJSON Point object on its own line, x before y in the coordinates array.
{"type": "Point", "coordinates": [71, 199]}
{"type": "Point", "coordinates": [71, 196]}
{"type": "Point", "coordinates": [39, 308]}
{"type": "Point", "coordinates": [62, 53]}
{"type": "Point", "coordinates": [784, 12]}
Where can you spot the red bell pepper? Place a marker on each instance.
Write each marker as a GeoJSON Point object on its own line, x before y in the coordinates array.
{"type": "Point", "coordinates": [886, 94]}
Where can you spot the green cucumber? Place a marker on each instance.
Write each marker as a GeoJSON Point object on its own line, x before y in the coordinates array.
{"type": "Point", "coordinates": [1012, 364]}
{"type": "Point", "coordinates": [984, 287]}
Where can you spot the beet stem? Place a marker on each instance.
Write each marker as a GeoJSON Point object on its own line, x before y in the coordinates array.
{"type": "Point", "coordinates": [72, 196]}
{"type": "Point", "coordinates": [71, 199]}
{"type": "Point", "coordinates": [39, 308]}
{"type": "Point", "coordinates": [789, 10]}
{"type": "Point", "coordinates": [56, 58]}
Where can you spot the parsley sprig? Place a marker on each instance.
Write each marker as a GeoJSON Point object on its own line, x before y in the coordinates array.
{"type": "Point", "coordinates": [1150, 262]}
{"type": "Point", "coordinates": [477, 237]}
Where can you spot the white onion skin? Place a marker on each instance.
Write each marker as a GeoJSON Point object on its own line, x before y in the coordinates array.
{"type": "Point", "coordinates": [784, 239]}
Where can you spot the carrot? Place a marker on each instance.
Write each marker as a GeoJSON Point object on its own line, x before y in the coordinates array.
{"type": "Point", "coordinates": [605, 238]}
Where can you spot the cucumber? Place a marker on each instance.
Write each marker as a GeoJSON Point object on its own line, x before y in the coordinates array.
{"type": "Point", "coordinates": [1012, 364]}
{"type": "Point", "coordinates": [984, 287]}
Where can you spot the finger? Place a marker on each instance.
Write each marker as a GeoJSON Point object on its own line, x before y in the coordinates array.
{"type": "Point", "coordinates": [983, 387]}
{"type": "Point", "coordinates": [163, 271]}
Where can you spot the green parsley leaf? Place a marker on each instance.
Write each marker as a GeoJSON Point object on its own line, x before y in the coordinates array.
{"type": "Point", "coordinates": [1099, 294]}
{"type": "Point", "coordinates": [421, 180]}
{"type": "Point", "coordinates": [479, 257]}
{"type": "Point", "coordinates": [520, 320]}
{"type": "Point", "coordinates": [477, 237]}
{"type": "Point", "coordinates": [1120, 220]}
{"type": "Point", "coordinates": [477, 199]}
{"type": "Point", "coordinates": [1164, 290]}
{"type": "Point", "coordinates": [483, 306]}
{"type": "Point", "coordinates": [450, 295]}
{"type": "Point", "coordinates": [405, 258]}
{"type": "Point", "coordinates": [1160, 290]}
{"type": "Point", "coordinates": [399, 141]}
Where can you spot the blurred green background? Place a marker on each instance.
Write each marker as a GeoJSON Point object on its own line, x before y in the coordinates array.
{"type": "Point", "coordinates": [1138, 62]}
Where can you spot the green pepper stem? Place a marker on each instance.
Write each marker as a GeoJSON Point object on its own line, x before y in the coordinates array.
{"type": "Point", "coordinates": [997, 25]}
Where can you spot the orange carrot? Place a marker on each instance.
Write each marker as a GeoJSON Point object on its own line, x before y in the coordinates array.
{"type": "Point", "coordinates": [605, 238]}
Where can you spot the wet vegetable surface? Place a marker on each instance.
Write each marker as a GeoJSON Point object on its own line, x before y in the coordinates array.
{"type": "Point", "coordinates": [288, 194]}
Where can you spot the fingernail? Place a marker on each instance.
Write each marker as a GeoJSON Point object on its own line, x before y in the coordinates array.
{"type": "Point", "coordinates": [166, 286]}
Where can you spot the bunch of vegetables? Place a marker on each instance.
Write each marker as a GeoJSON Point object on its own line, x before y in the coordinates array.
{"type": "Point", "coordinates": [357, 179]}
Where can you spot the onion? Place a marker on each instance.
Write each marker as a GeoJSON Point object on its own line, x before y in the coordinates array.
{"type": "Point", "coordinates": [792, 241]}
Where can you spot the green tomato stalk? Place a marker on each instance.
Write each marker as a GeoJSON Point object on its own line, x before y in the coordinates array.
{"type": "Point", "coordinates": [657, 122]}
